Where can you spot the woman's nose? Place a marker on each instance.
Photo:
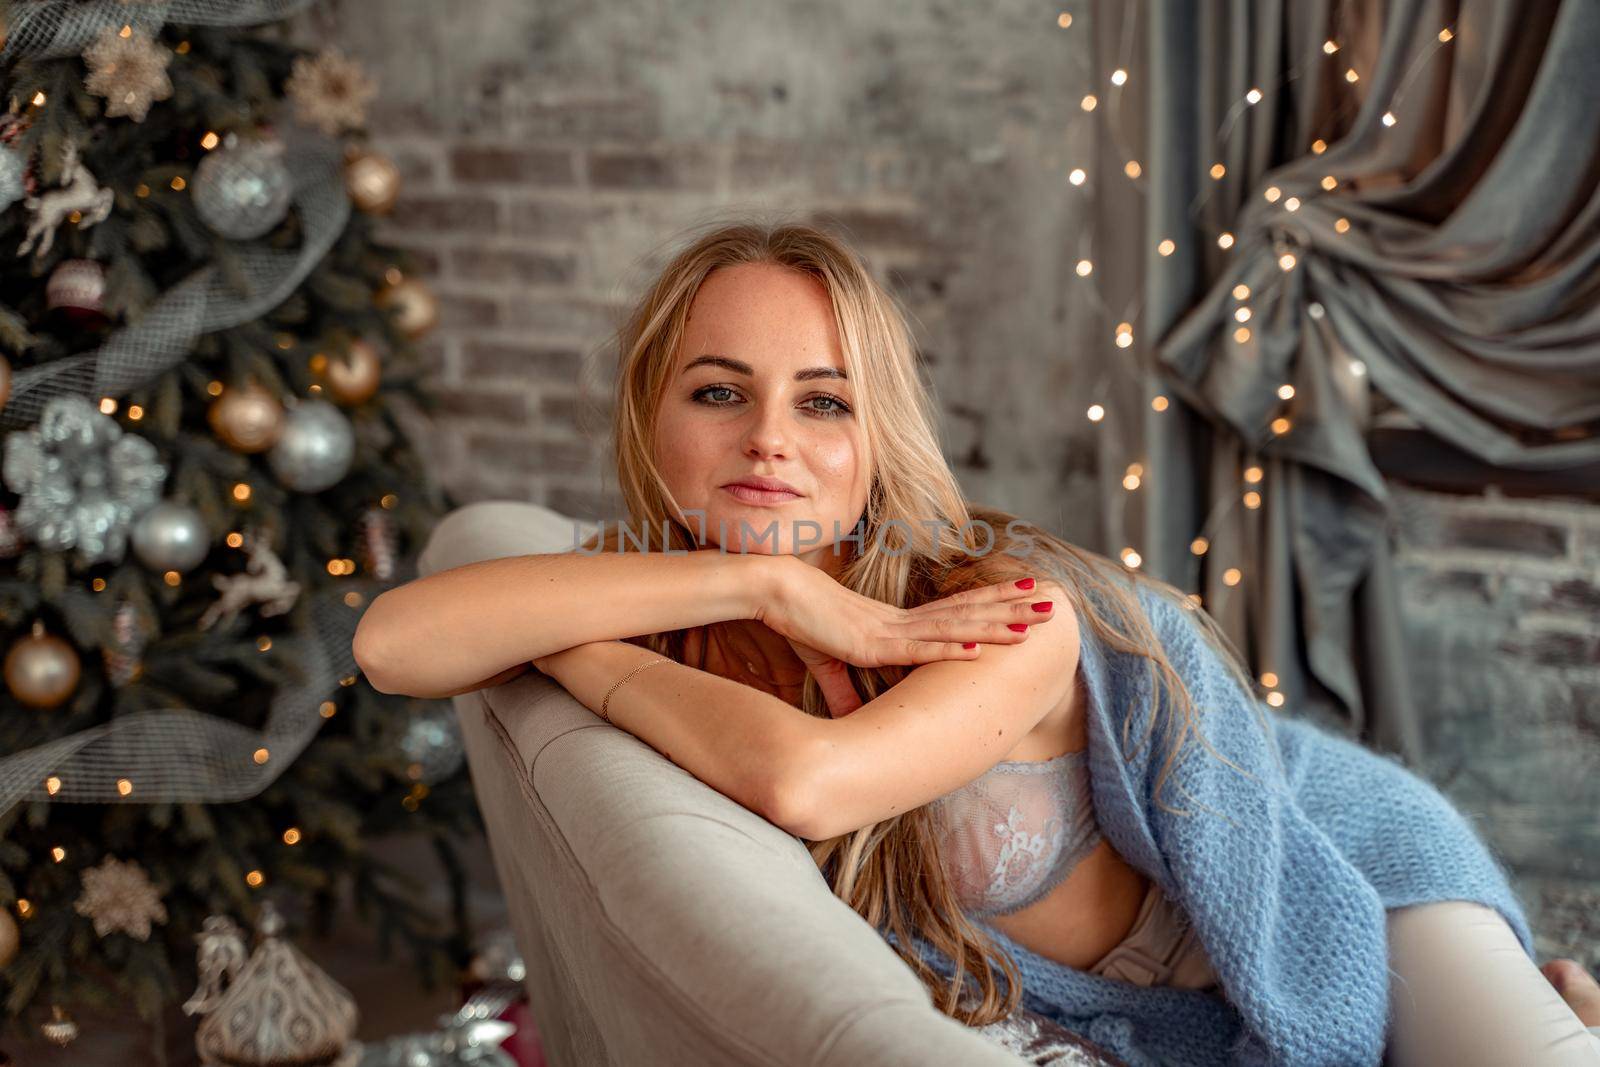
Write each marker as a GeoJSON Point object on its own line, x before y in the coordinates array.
{"type": "Point", "coordinates": [768, 432]}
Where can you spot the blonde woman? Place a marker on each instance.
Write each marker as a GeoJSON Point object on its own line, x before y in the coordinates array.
{"type": "Point", "coordinates": [803, 611]}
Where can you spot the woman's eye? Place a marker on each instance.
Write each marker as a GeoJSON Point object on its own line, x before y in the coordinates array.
{"type": "Point", "coordinates": [713, 389]}
{"type": "Point", "coordinates": [838, 408]}
{"type": "Point", "coordinates": [704, 395]}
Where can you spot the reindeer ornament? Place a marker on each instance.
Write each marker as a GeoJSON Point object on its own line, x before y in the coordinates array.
{"type": "Point", "coordinates": [78, 193]}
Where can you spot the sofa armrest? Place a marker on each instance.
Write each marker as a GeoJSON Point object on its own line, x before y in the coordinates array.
{"type": "Point", "coordinates": [492, 529]}
{"type": "Point", "coordinates": [672, 924]}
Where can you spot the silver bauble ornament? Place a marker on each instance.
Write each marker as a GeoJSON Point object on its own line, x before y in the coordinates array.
{"type": "Point", "coordinates": [13, 176]}
{"type": "Point", "coordinates": [432, 744]}
{"type": "Point", "coordinates": [242, 190]}
{"type": "Point", "coordinates": [171, 536]}
{"type": "Point", "coordinates": [315, 449]}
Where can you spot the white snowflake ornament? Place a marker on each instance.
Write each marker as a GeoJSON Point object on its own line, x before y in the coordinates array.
{"type": "Point", "coordinates": [119, 896]}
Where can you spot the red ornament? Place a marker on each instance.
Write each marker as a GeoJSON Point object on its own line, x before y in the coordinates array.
{"type": "Point", "coordinates": [77, 290]}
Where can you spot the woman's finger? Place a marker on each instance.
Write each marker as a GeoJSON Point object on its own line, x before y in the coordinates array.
{"type": "Point", "coordinates": [995, 592]}
{"type": "Point", "coordinates": [911, 651]}
{"type": "Point", "coordinates": [1006, 623]}
{"type": "Point", "coordinates": [1027, 610]}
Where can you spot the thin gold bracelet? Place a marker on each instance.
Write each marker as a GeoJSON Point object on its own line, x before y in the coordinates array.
{"type": "Point", "coordinates": [605, 705]}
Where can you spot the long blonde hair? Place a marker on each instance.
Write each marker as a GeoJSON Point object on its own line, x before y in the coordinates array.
{"type": "Point", "coordinates": [890, 872]}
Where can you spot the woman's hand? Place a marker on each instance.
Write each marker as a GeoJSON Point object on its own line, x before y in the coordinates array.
{"type": "Point", "coordinates": [833, 678]}
{"type": "Point", "coordinates": [824, 620]}
{"type": "Point", "coordinates": [1577, 987]}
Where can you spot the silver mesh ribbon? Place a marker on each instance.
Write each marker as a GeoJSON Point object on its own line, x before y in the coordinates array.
{"type": "Point", "coordinates": [206, 300]}
{"type": "Point", "coordinates": [181, 754]}
{"type": "Point", "coordinates": [51, 29]}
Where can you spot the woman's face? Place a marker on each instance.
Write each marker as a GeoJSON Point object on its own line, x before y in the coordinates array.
{"type": "Point", "coordinates": [758, 389]}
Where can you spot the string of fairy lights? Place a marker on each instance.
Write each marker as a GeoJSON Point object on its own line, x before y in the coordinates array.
{"type": "Point", "coordinates": [1251, 488]}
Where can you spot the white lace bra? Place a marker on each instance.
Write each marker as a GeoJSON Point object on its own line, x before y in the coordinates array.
{"type": "Point", "coordinates": [1014, 833]}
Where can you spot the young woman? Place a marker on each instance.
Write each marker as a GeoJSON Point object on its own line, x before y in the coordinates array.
{"type": "Point", "coordinates": [803, 611]}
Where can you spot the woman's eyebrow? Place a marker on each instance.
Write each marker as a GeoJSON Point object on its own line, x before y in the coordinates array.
{"type": "Point", "coordinates": [739, 366]}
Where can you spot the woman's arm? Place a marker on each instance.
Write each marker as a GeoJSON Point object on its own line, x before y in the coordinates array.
{"type": "Point", "coordinates": [452, 631]}
{"type": "Point", "coordinates": [937, 729]}
{"type": "Point", "coordinates": [735, 738]}
{"type": "Point", "coordinates": [940, 727]}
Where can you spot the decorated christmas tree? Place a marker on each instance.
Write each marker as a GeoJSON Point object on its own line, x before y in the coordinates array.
{"type": "Point", "coordinates": [208, 363]}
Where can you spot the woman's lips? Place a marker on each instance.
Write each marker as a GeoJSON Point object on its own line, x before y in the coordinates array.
{"type": "Point", "coordinates": [763, 497]}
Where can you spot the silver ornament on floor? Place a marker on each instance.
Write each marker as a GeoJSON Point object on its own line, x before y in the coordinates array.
{"type": "Point", "coordinates": [279, 1007]}
{"type": "Point", "coordinates": [82, 480]}
{"type": "Point", "coordinates": [242, 189]}
{"type": "Point", "coordinates": [315, 449]}
{"type": "Point", "coordinates": [432, 744]}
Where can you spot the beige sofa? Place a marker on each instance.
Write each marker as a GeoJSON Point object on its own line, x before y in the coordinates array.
{"type": "Point", "coordinates": [662, 923]}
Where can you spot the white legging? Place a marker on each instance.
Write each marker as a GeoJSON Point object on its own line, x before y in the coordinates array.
{"type": "Point", "coordinates": [1464, 993]}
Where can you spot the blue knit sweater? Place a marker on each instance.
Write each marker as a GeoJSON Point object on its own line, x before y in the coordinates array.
{"type": "Point", "coordinates": [1286, 878]}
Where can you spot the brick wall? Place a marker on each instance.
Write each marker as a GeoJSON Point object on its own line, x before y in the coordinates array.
{"type": "Point", "coordinates": [1501, 600]}
{"type": "Point", "coordinates": [551, 153]}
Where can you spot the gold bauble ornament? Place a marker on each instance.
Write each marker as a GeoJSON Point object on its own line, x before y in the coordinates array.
{"type": "Point", "coordinates": [418, 310]}
{"type": "Point", "coordinates": [353, 378]}
{"type": "Point", "coordinates": [41, 670]}
{"type": "Point", "coordinates": [248, 418]}
{"type": "Point", "coordinates": [372, 180]}
{"type": "Point", "coordinates": [10, 938]}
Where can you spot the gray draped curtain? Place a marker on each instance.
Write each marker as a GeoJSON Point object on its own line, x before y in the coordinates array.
{"type": "Point", "coordinates": [1405, 211]}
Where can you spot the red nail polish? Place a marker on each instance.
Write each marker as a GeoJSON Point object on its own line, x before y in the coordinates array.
{"type": "Point", "coordinates": [1042, 605]}
{"type": "Point", "coordinates": [970, 644]}
{"type": "Point", "coordinates": [1020, 627]}
{"type": "Point", "coordinates": [1025, 583]}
